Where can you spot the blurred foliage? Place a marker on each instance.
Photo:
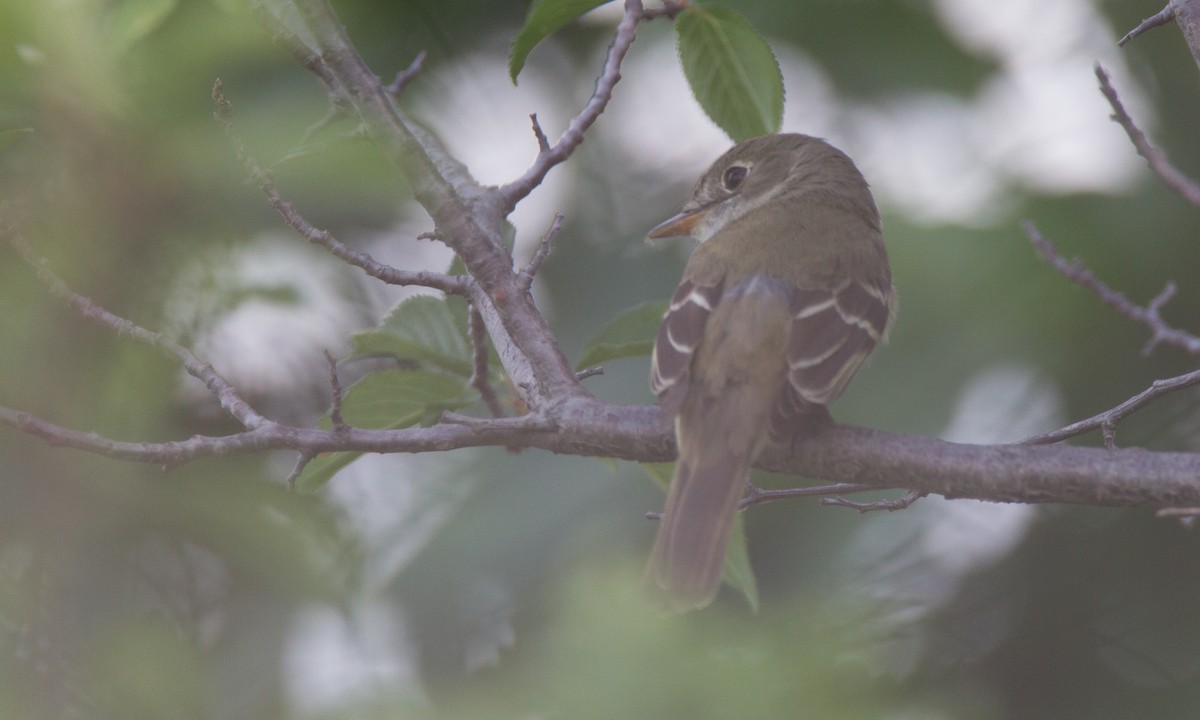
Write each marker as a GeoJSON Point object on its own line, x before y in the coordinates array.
{"type": "Point", "coordinates": [130, 591]}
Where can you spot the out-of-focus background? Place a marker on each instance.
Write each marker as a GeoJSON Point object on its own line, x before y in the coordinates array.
{"type": "Point", "coordinates": [486, 584]}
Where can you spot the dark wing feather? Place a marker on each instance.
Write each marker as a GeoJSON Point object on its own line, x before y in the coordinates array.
{"type": "Point", "coordinates": [679, 334]}
{"type": "Point", "coordinates": [833, 332]}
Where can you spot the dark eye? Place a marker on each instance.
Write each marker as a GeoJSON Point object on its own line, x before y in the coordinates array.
{"type": "Point", "coordinates": [734, 176]}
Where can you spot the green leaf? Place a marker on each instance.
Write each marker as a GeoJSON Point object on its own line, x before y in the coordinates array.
{"type": "Point", "coordinates": [732, 71]}
{"type": "Point", "coordinates": [424, 329]}
{"type": "Point", "coordinates": [629, 334]}
{"type": "Point", "coordinates": [545, 18]}
{"type": "Point", "coordinates": [386, 400]}
{"type": "Point", "coordinates": [737, 574]}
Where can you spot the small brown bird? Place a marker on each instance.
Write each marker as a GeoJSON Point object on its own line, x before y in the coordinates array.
{"type": "Point", "coordinates": [786, 296]}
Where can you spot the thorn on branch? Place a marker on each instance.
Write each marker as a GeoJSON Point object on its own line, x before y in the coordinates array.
{"type": "Point", "coordinates": [335, 403]}
{"type": "Point", "coordinates": [542, 141]}
{"type": "Point", "coordinates": [890, 505]}
{"type": "Point", "coordinates": [405, 76]}
{"type": "Point", "coordinates": [1162, 17]}
{"type": "Point", "coordinates": [525, 278]}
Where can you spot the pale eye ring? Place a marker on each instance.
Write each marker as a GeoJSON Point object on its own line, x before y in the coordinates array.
{"type": "Point", "coordinates": [734, 176]}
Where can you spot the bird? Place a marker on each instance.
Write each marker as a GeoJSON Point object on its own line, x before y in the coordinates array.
{"type": "Point", "coordinates": [786, 295]}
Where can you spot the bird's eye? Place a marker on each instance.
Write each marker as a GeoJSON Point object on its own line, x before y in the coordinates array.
{"type": "Point", "coordinates": [734, 176]}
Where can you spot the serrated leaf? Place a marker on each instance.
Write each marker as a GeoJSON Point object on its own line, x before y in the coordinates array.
{"type": "Point", "coordinates": [629, 334]}
{"type": "Point", "coordinates": [545, 18]}
{"type": "Point", "coordinates": [423, 329]}
{"type": "Point", "coordinates": [386, 400]}
{"type": "Point", "coordinates": [737, 573]}
{"type": "Point", "coordinates": [732, 71]}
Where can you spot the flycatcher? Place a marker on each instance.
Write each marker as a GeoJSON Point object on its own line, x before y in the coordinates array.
{"type": "Point", "coordinates": [779, 306]}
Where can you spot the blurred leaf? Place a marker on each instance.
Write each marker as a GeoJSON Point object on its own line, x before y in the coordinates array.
{"type": "Point", "coordinates": [424, 330]}
{"type": "Point", "coordinates": [629, 334]}
{"type": "Point", "coordinates": [732, 71]}
{"type": "Point", "coordinates": [545, 18]}
{"type": "Point", "coordinates": [133, 20]}
{"type": "Point", "coordinates": [386, 400]}
{"type": "Point", "coordinates": [8, 137]}
{"type": "Point", "coordinates": [738, 574]}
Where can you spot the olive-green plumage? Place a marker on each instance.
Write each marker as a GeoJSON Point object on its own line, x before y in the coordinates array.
{"type": "Point", "coordinates": [786, 296]}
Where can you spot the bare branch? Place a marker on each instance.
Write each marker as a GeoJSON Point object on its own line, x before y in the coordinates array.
{"type": "Point", "coordinates": [479, 373]}
{"type": "Point", "coordinates": [547, 158]}
{"type": "Point", "coordinates": [1148, 316]}
{"type": "Point", "coordinates": [225, 393]}
{"type": "Point", "coordinates": [1107, 421]}
{"type": "Point", "coordinates": [405, 76]}
{"type": "Point", "coordinates": [838, 454]}
{"type": "Point", "coordinates": [1162, 17]}
{"type": "Point", "coordinates": [388, 274]}
{"type": "Point", "coordinates": [1186, 187]}
{"type": "Point", "coordinates": [467, 216]}
{"type": "Point", "coordinates": [525, 277]}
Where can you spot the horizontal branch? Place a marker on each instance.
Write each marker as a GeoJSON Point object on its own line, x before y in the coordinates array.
{"type": "Point", "coordinates": [838, 454]}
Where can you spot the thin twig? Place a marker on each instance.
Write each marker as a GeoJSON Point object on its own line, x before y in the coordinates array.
{"type": "Point", "coordinates": [525, 277]}
{"type": "Point", "coordinates": [589, 372]}
{"type": "Point", "coordinates": [1185, 186]}
{"type": "Point", "coordinates": [225, 393]}
{"type": "Point", "coordinates": [1107, 420]}
{"type": "Point", "coordinates": [405, 76]}
{"type": "Point", "coordinates": [451, 284]}
{"type": "Point", "coordinates": [890, 505]}
{"type": "Point", "coordinates": [1162, 17]}
{"type": "Point", "coordinates": [757, 496]}
{"type": "Point", "coordinates": [1148, 316]}
{"type": "Point", "coordinates": [335, 394]}
{"type": "Point", "coordinates": [547, 158]}
{"type": "Point", "coordinates": [479, 375]}
{"type": "Point", "coordinates": [302, 462]}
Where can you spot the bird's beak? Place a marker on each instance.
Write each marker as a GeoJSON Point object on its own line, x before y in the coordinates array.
{"type": "Point", "coordinates": [682, 224]}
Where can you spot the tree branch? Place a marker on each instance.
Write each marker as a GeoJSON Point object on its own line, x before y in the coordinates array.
{"type": "Point", "coordinates": [1148, 316]}
{"type": "Point", "coordinates": [1107, 421]}
{"type": "Point", "coordinates": [1186, 187]}
{"type": "Point", "coordinates": [548, 156]}
{"type": "Point", "coordinates": [225, 393]}
{"type": "Point", "coordinates": [838, 454]}
{"type": "Point", "coordinates": [468, 218]}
